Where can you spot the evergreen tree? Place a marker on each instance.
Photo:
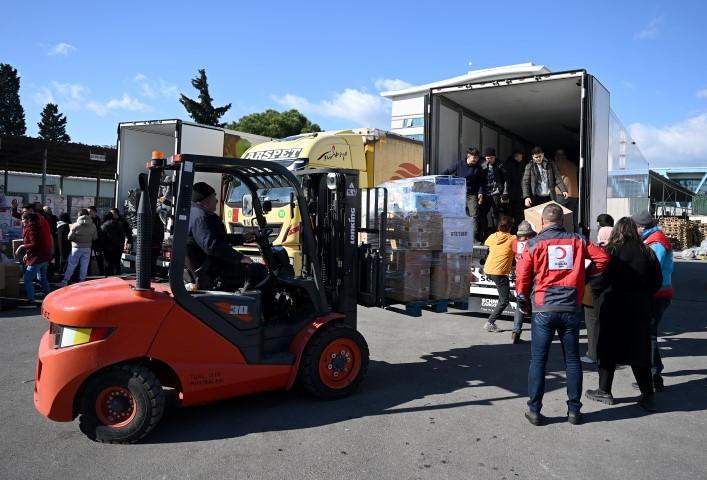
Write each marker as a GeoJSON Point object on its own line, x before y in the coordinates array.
{"type": "Point", "coordinates": [12, 115]}
{"type": "Point", "coordinates": [53, 124]}
{"type": "Point", "coordinates": [203, 111]}
{"type": "Point", "coordinates": [272, 123]}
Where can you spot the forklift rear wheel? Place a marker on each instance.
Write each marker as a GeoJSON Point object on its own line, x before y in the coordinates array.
{"type": "Point", "coordinates": [121, 404]}
{"type": "Point", "coordinates": [334, 362]}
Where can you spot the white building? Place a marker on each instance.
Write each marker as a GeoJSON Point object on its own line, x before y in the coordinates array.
{"type": "Point", "coordinates": [409, 103]}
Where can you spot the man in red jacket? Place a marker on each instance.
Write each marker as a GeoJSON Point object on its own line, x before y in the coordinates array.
{"type": "Point", "coordinates": [45, 229]}
{"type": "Point", "coordinates": [37, 254]}
{"type": "Point", "coordinates": [553, 265]}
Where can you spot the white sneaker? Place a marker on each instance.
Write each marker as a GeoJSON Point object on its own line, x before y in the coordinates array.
{"type": "Point", "coordinates": [490, 327]}
{"type": "Point", "coordinates": [586, 359]}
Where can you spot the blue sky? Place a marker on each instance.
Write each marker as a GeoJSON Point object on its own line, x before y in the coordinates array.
{"type": "Point", "coordinates": [109, 62]}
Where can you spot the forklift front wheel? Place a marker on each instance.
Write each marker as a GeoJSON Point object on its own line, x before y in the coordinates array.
{"type": "Point", "coordinates": [334, 362]}
{"type": "Point", "coordinates": [121, 404]}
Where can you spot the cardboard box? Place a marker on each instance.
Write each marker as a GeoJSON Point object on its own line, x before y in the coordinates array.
{"type": "Point", "coordinates": [533, 215]}
{"type": "Point", "coordinates": [457, 234]}
{"type": "Point", "coordinates": [415, 231]}
{"type": "Point", "coordinates": [408, 275]}
{"type": "Point", "coordinates": [450, 276]}
{"type": "Point", "coordinates": [10, 274]}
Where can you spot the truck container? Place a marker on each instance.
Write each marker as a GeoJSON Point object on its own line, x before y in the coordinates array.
{"type": "Point", "coordinates": [137, 140]}
{"type": "Point", "coordinates": [568, 110]}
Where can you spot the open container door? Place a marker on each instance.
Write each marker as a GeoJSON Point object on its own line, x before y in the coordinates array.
{"type": "Point", "coordinates": [594, 148]}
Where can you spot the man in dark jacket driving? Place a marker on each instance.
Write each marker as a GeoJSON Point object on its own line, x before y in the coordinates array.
{"type": "Point", "coordinates": [211, 259]}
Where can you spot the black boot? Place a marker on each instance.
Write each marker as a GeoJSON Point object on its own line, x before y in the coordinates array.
{"type": "Point", "coordinates": [647, 402]}
{"type": "Point", "coordinates": [658, 385]}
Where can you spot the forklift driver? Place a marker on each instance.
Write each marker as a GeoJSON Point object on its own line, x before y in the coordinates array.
{"type": "Point", "coordinates": [212, 263]}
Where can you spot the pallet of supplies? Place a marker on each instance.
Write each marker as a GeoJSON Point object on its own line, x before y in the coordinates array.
{"type": "Point", "coordinates": [428, 230]}
{"type": "Point", "coordinates": [408, 275]}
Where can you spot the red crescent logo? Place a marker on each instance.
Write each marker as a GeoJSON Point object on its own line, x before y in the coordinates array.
{"type": "Point", "coordinates": [563, 254]}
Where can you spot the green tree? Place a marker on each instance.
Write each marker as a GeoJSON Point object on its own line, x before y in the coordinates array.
{"type": "Point", "coordinates": [272, 123]}
{"type": "Point", "coordinates": [12, 115]}
{"type": "Point", "coordinates": [52, 126]}
{"type": "Point", "coordinates": [203, 111]}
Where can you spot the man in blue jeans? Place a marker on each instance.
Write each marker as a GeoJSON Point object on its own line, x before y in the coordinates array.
{"type": "Point", "coordinates": [553, 265]}
{"type": "Point", "coordinates": [36, 254]}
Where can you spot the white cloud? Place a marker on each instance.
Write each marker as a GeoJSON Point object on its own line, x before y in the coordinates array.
{"type": "Point", "coordinates": [357, 106]}
{"type": "Point", "coordinates": [388, 84]}
{"type": "Point", "coordinates": [127, 103]}
{"type": "Point", "coordinates": [63, 49]}
{"type": "Point", "coordinates": [155, 88]}
{"type": "Point", "coordinates": [43, 96]}
{"type": "Point", "coordinates": [702, 93]}
{"type": "Point", "coordinates": [651, 30]}
{"type": "Point", "coordinates": [73, 91]}
{"type": "Point", "coordinates": [680, 144]}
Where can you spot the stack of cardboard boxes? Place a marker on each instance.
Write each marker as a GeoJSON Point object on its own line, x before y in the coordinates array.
{"type": "Point", "coordinates": [430, 239]}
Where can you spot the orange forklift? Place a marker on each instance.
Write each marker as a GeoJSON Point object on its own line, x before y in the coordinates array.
{"type": "Point", "coordinates": [115, 346]}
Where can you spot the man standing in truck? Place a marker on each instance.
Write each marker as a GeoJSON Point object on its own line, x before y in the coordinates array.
{"type": "Point", "coordinates": [471, 170]}
{"type": "Point", "coordinates": [540, 178]}
{"type": "Point", "coordinates": [513, 169]}
{"type": "Point", "coordinates": [495, 193]}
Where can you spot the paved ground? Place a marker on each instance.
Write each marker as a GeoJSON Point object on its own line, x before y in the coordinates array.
{"type": "Point", "coordinates": [443, 400]}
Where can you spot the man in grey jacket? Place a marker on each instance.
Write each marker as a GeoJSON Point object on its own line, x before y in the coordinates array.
{"type": "Point", "coordinates": [82, 234]}
{"type": "Point", "coordinates": [540, 178]}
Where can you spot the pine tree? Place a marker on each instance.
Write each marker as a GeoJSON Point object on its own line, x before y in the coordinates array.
{"type": "Point", "coordinates": [12, 115]}
{"type": "Point", "coordinates": [203, 111]}
{"type": "Point", "coordinates": [53, 124]}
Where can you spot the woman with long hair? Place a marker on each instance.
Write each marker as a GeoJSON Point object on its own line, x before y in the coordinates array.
{"type": "Point", "coordinates": [627, 286]}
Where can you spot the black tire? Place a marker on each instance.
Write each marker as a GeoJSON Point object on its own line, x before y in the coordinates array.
{"type": "Point", "coordinates": [141, 396]}
{"type": "Point", "coordinates": [312, 359]}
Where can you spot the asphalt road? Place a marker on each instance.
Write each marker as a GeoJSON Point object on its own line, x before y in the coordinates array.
{"type": "Point", "coordinates": [443, 400]}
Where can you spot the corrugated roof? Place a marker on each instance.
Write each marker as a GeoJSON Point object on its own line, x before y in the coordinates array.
{"type": "Point", "coordinates": [486, 74]}
{"type": "Point", "coordinates": [26, 154]}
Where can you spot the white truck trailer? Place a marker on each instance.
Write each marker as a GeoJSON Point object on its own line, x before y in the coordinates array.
{"type": "Point", "coordinates": [565, 110]}
{"type": "Point", "coordinates": [137, 141]}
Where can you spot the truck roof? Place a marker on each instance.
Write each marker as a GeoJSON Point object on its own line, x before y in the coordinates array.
{"type": "Point", "coordinates": [306, 142]}
{"type": "Point", "coordinates": [486, 74]}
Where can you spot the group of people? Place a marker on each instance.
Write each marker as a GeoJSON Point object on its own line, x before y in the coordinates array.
{"type": "Point", "coordinates": [54, 246]}
{"type": "Point", "coordinates": [494, 189]}
{"type": "Point", "coordinates": [621, 287]}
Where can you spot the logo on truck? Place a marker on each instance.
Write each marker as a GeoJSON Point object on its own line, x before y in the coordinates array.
{"type": "Point", "coordinates": [279, 154]}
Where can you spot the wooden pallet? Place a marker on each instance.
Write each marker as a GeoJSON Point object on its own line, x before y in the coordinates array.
{"type": "Point", "coordinates": [414, 309]}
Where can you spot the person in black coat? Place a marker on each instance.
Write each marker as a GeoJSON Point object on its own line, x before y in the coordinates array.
{"type": "Point", "coordinates": [495, 189]}
{"type": "Point", "coordinates": [471, 170]}
{"type": "Point", "coordinates": [113, 241]}
{"type": "Point", "coordinates": [626, 290]}
{"type": "Point", "coordinates": [62, 241]}
{"type": "Point", "coordinates": [513, 169]}
{"type": "Point", "coordinates": [211, 260]}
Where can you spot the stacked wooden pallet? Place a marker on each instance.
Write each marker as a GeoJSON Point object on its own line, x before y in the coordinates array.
{"type": "Point", "coordinates": [681, 231]}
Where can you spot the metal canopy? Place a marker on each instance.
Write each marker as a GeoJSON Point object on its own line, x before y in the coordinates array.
{"type": "Point", "coordinates": [25, 154]}
{"type": "Point", "coordinates": [665, 190]}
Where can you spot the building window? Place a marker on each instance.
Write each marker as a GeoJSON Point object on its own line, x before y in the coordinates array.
{"type": "Point", "coordinates": [413, 122]}
{"type": "Point", "coordinates": [419, 137]}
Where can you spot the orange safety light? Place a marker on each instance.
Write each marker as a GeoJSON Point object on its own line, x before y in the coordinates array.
{"type": "Point", "coordinates": [157, 155]}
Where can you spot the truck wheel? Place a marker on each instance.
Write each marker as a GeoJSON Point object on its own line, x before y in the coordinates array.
{"type": "Point", "coordinates": [334, 362]}
{"type": "Point", "coordinates": [121, 404]}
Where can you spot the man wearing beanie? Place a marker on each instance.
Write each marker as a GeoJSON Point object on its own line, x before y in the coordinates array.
{"type": "Point", "coordinates": [210, 255]}
{"type": "Point", "coordinates": [656, 240]}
